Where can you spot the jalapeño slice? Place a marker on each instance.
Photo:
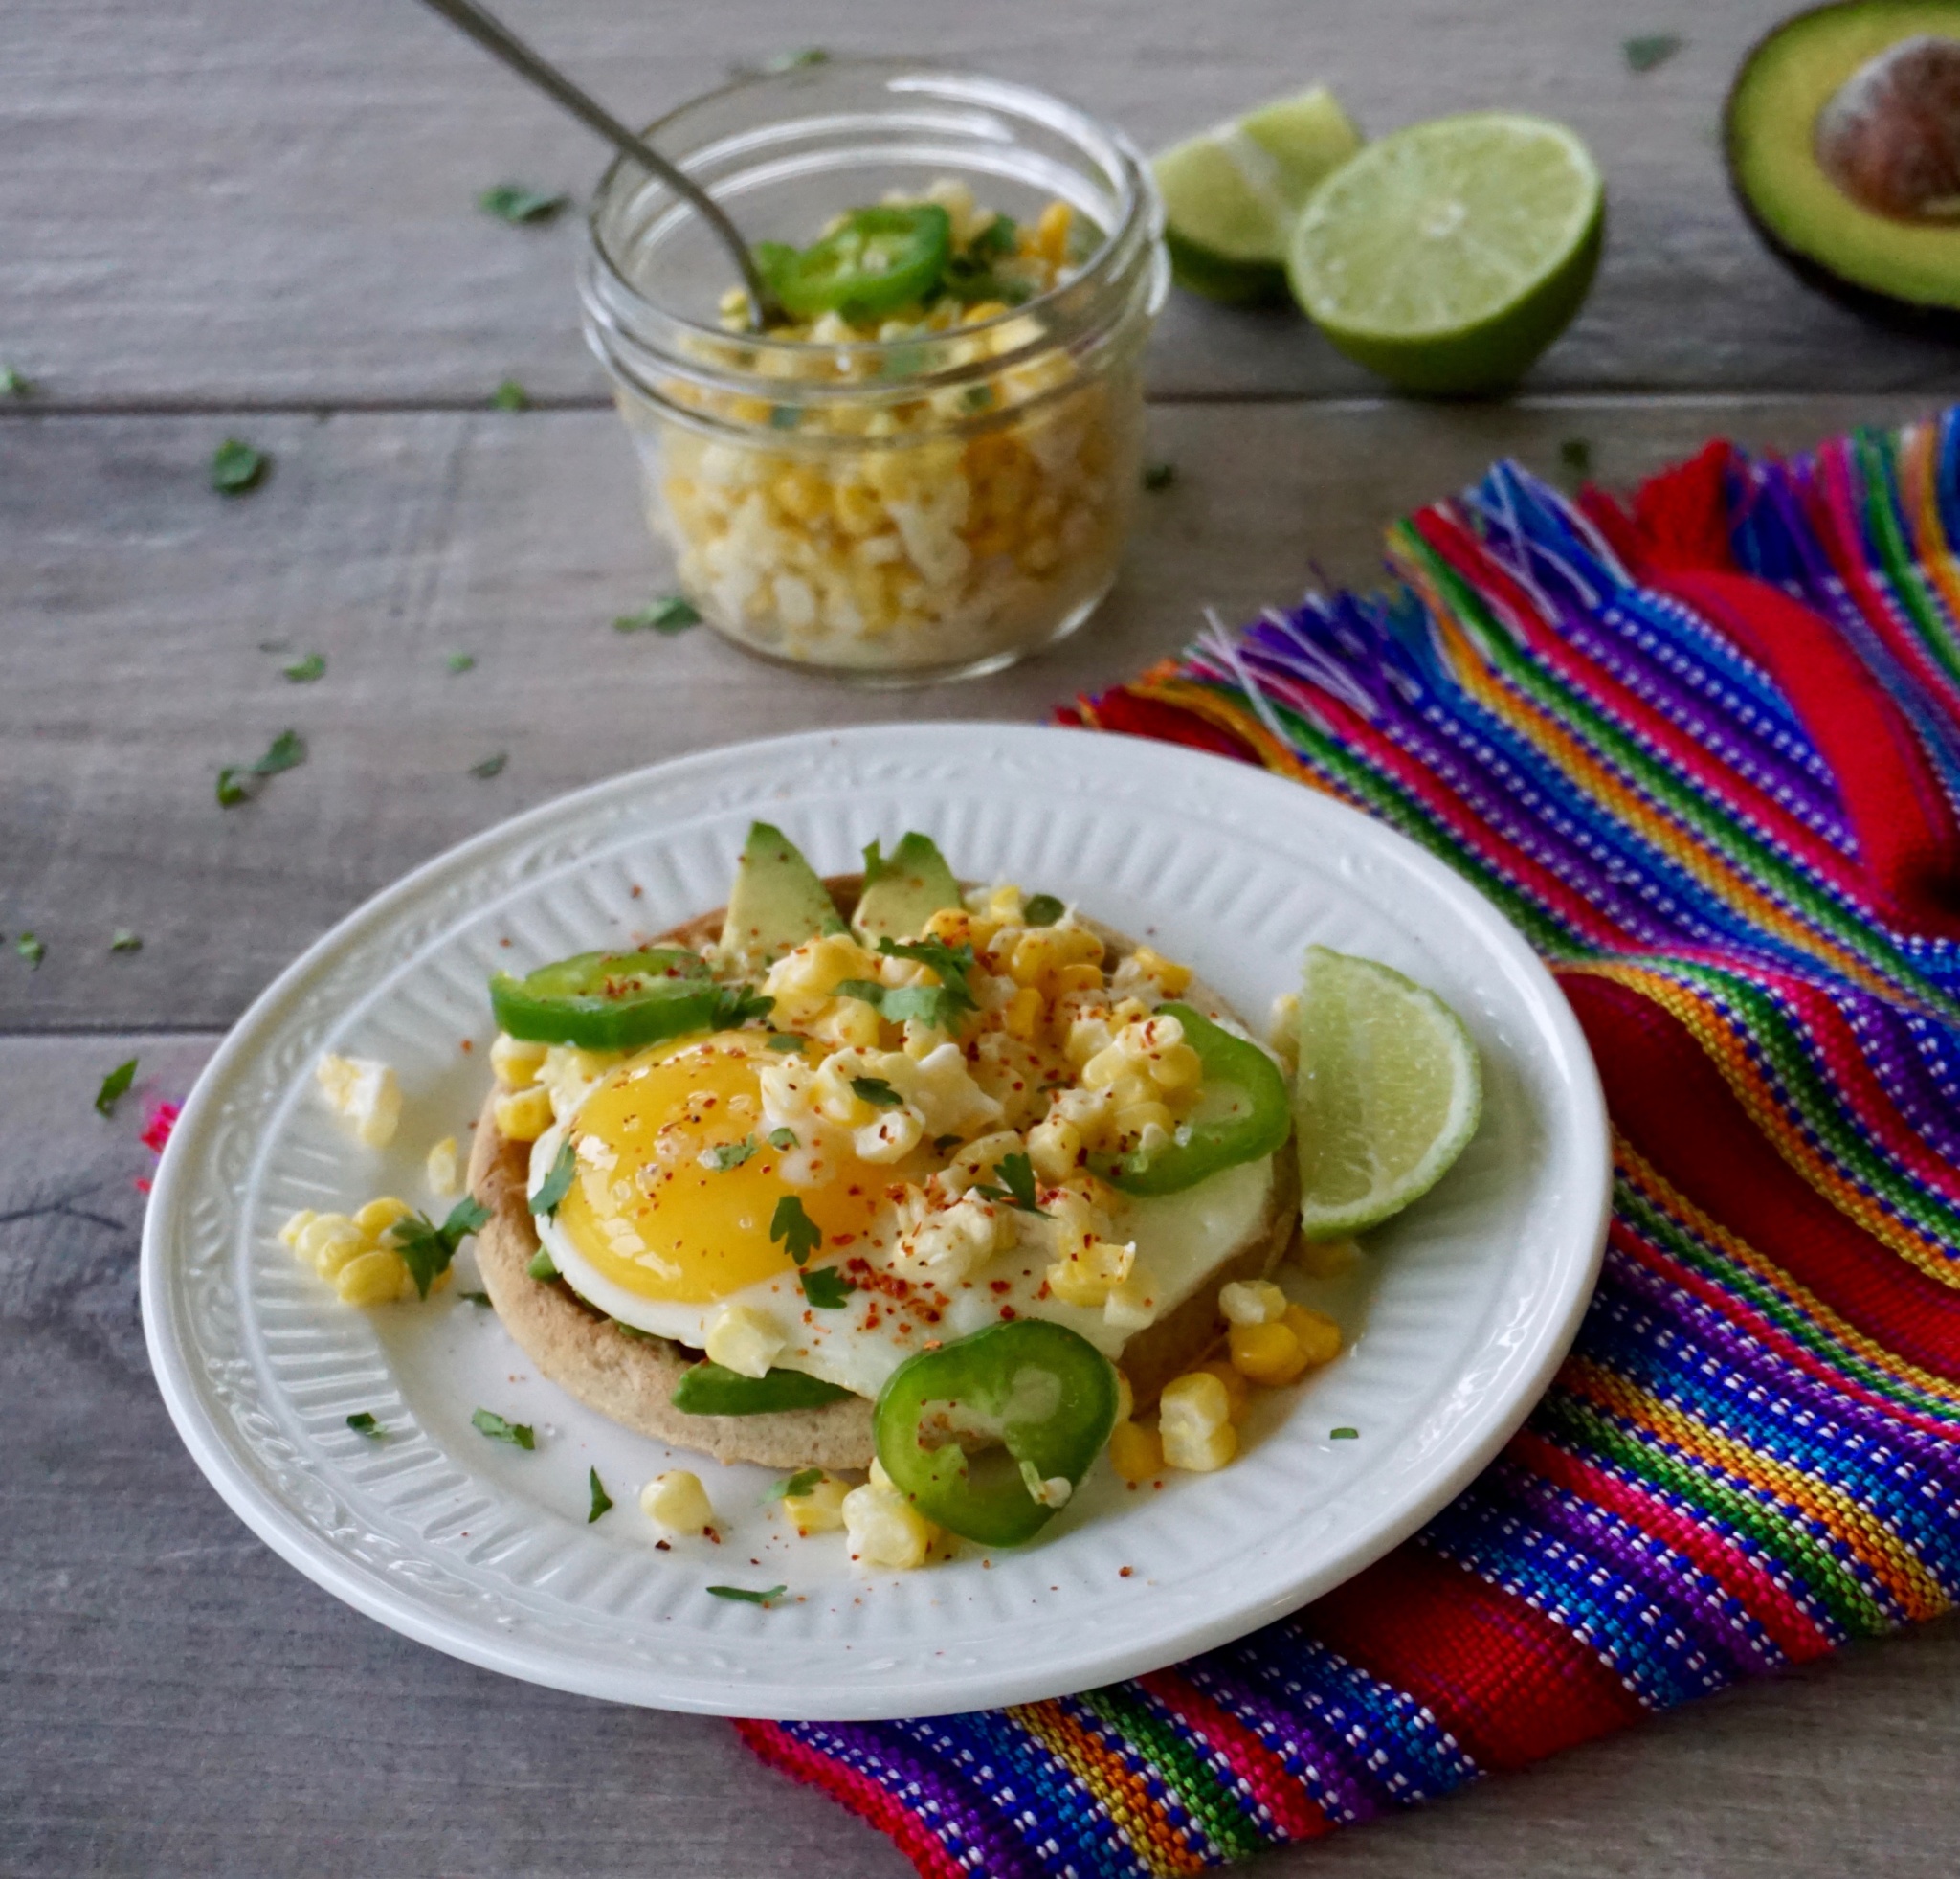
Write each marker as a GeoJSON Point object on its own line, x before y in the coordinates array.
{"type": "Point", "coordinates": [608, 1001]}
{"type": "Point", "coordinates": [875, 260]}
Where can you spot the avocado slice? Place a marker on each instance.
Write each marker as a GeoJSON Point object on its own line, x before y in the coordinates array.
{"type": "Point", "coordinates": [1842, 137]}
{"type": "Point", "coordinates": [777, 901]}
{"type": "Point", "coordinates": [904, 891]}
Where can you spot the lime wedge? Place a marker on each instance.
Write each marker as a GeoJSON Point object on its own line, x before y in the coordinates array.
{"type": "Point", "coordinates": [1448, 256]}
{"type": "Point", "coordinates": [1230, 194]}
{"type": "Point", "coordinates": [1387, 1094]}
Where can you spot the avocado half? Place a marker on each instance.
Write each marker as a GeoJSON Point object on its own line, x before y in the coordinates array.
{"type": "Point", "coordinates": [1842, 137]}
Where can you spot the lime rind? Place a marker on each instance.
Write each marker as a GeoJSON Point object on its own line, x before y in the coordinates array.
{"type": "Point", "coordinates": [1388, 1094]}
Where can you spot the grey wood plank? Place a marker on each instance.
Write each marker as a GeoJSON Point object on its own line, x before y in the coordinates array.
{"type": "Point", "coordinates": [176, 1701]}
{"type": "Point", "coordinates": [239, 200]}
{"type": "Point", "coordinates": [138, 600]}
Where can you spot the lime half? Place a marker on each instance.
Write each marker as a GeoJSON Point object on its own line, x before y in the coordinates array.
{"type": "Point", "coordinates": [1230, 194]}
{"type": "Point", "coordinates": [1448, 256]}
{"type": "Point", "coordinates": [1387, 1094]}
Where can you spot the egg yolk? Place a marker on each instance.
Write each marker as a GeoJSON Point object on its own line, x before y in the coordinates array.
{"type": "Point", "coordinates": [654, 1216]}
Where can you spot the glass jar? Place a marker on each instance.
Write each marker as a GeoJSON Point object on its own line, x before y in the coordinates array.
{"type": "Point", "coordinates": [894, 504]}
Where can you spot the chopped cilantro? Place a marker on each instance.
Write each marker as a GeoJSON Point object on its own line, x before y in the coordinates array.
{"type": "Point", "coordinates": [510, 396]}
{"type": "Point", "coordinates": [997, 238]}
{"type": "Point", "coordinates": [32, 949]}
{"type": "Point", "coordinates": [782, 1138]}
{"type": "Point", "coordinates": [785, 1040]}
{"type": "Point", "coordinates": [671, 613]}
{"type": "Point", "coordinates": [1648, 49]}
{"type": "Point", "coordinates": [557, 1183]}
{"type": "Point", "coordinates": [240, 782]}
{"type": "Point", "coordinates": [602, 1501]}
{"type": "Point", "coordinates": [16, 384]}
{"type": "Point", "coordinates": [303, 672]}
{"type": "Point", "coordinates": [791, 61]}
{"type": "Point", "coordinates": [941, 1006]}
{"type": "Point", "coordinates": [800, 1234]}
{"type": "Point", "coordinates": [115, 1085]}
{"type": "Point", "coordinates": [876, 1092]}
{"type": "Point", "coordinates": [427, 1249]}
{"type": "Point", "coordinates": [363, 1423]}
{"type": "Point", "coordinates": [236, 467]}
{"type": "Point", "coordinates": [784, 417]}
{"type": "Point", "coordinates": [1042, 910]}
{"type": "Point", "coordinates": [736, 1004]}
{"type": "Point", "coordinates": [540, 1267]}
{"type": "Point", "coordinates": [520, 1435]}
{"type": "Point", "coordinates": [826, 1287]}
{"type": "Point", "coordinates": [1018, 1184]}
{"type": "Point", "coordinates": [474, 1298]}
{"type": "Point", "coordinates": [460, 662]}
{"type": "Point", "coordinates": [513, 203]}
{"type": "Point", "coordinates": [1159, 476]}
{"type": "Point", "coordinates": [122, 940]}
{"type": "Point", "coordinates": [977, 397]}
{"type": "Point", "coordinates": [745, 1597]}
{"type": "Point", "coordinates": [1342, 1435]}
{"type": "Point", "coordinates": [628, 1330]}
{"type": "Point", "coordinates": [951, 963]}
{"type": "Point", "coordinates": [491, 766]}
{"type": "Point", "coordinates": [942, 1143]}
{"type": "Point", "coordinates": [800, 1483]}
{"type": "Point", "coordinates": [730, 1155]}
{"type": "Point", "coordinates": [1575, 456]}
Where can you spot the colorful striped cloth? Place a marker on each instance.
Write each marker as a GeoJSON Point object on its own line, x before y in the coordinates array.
{"type": "Point", "coordinates": [1705, 752]}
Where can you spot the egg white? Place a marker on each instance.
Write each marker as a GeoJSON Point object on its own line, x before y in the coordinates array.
{"type": "Point", "coordinates": [1180, 1240]}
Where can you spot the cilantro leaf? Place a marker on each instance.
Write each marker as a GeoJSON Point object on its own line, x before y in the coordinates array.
{"type": "Point", "coordinates": [363, 1423]}
{"type": "Point", "coordinates": [514, 203]}
{"type": "Point", "coordinates": [240, 782]}
{"type": "Point", "coordinates": [1342, 1435]}
{"type": "Point", "coordinates": [941, 1006]}
{"type": "Point", "coordinates": [950, 964]}
{"type": "Point", "coordinates": [782, 1138]}
{"type": "Point", "coordinates": [826, 1287]}
{"type": "Point", "coordinates": [122, 940]}
{"type": "Point", "coordinates": [736, 1004]}
{"type": "Point", "coordinates": [32, 949]}
{"type": "Point", "coordinates": [303, 672]}
{"type": "Point", "coordinates": [520, 1435]}
{"type": "Point", "coordinates": [1042, 910]}
{"type": "Point", "coordinates": [785, 1040]}
{"type": "Point", "coordinates": [427, 1249]}
{"type": "Point", "coordinates": [474, 1298]}
{"type": "Point", "coordinates": [1648, 49]}
{"type": "Point", "coordinates": [1575, 456]}
{"type": "Point", "coordinates": [800, 1483]}
{"type": "Point", "coordinates": [1159, 476]}
{"type": "Point", "coordinates": [115, 1085]}
{"type": "Point", "coordinates": [942, 1143]}
{"type": "Point", "coordinates": [671, 613]}
{"type": "Point", "coordinates": [602, 1501]}
{"type": "Point", "coordinates": [745, 1597]}
{"type": "Point", "coordinates": [540, 1267]}
{"type": "Point", "coordinates": [15, 384]}
{"type": "Point", "coordinates": [555, 1185]}
{"type": "Point", "coordinates": [729, 1155]}
{"type": "Point", "coordinates": [235, 467]}
{"type": "Point", "coordinates": [628, 1330]}
{"type": "Point", "coordinates": [997, 238]}
{"type": "Point", "coordinates": [876, 1092]}
{"type": "Point", "coordinates": [510, 396]}
{"type": "Point", "coordinates": [1017, 1177]}
{"type": "Point", "coordinates": [491, 766]}
{"type": "Point", "coordinates": [800, 1234]}
{"type": "Point", "coordinates": [460, 662]}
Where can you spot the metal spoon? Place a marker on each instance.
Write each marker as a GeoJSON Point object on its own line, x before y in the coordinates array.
{"type": "Point", "coordinates": [494, 37]}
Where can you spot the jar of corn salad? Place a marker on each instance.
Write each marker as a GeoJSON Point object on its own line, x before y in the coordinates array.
{"type": "Point", "coordinates": [926, 468]}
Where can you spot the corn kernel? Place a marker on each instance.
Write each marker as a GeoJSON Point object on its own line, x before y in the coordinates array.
{"type": "Point", "coordinates": [885, 1529]}
{"type": "Point", "coordinates": [1050, 234]}
{"type": "Point", "coordinates": [1106, 1067]}
{"type": "Point", "coordinates": [1055, 1148]}
{"type": "Point", "coordinates": [1136, 1453]}
{"type": "Point", "coordinates": [1132, 1302]}
{"type": "Point", "coordinates": [1252, 1302]}
{"type": "Point", "coordinates": [677, 1501]}
{"type": "Point", "coordinates": [821, 1510]}
{"type": "Point", "coordinates": [378, 1216]}
{"type": "Point", "coordinates": [442, 1170]}
{"type": "Point", "coordinates": [1237, 1391]}
{"type": "Point", "coordinates": [327, 1242]}
{"type": "Point", "coordinates": [744, 1340]}
{"type": "Point", "coordinates": [1126, 1397]}
{"type": "Point", "coordinates": [1177, 1066]}
{"type": "Point", "coordinates": [517, 1061]}
{"type": "Point", "coordinates": [1194, 1421]}
{"type": "Point", "coordinates": [1171, 977]}
{"type": "Point", "coordinates": [297, 1224]}
{"type": "Point", "coordinates": [1022, 1016]}
{"type": "Point", "coordinates": [1035, 953]}
{"type": "Point", "coordinates": [1326, 1259]}
{"type": "Point", "coordinates": [1076, 946]}
{"type": "Point", "coordinates": [1075, 978]}
{"type": "Point", "coordinates": [951, 924]}
{"type": "Point", "coordinates": [1267, 1353]}
{"type": "Point", "coordinates": [371, 1278]}
{"type": "Point", "coordinates": [523, 1116]}
{"type": "Point", "coordinates": [1318, 1336]}
{"type": "Point", "coordinates": [364, 1093]}
{"type": "Point", "coordinates": [1087, 1274]}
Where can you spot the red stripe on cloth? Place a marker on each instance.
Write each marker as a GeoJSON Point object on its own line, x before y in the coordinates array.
{"type": "Point", "coordinates": [1792, 1633]}
{"type": "Point", "coordinates": [1671, 1103]}
{"type": "Point", "coordinates": [860, 1793]}
{"type": "Point", "coordinates": [1683, 514]}
{"type": "Point", "coordinates": [1906, 834]}
{"type": "Point", "coordinates": [1508, 1684]}
{"type": "Point", "coordinates": [1295, 1816]}
{"type": "Point", "coordinates": [1123, 710]}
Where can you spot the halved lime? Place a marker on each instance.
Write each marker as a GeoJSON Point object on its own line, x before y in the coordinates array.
{"type": "Point", "coordinates": [1389, 1092]}
{"type": "Point", "coordinates": [1231, 194]}
{"type": "Point", "coordinates": [1448, 256]}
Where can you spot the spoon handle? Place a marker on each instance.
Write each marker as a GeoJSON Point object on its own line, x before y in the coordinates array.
{"type": "Point", "coordinates": [494, 37]}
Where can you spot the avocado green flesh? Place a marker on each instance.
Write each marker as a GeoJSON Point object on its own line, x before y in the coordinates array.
{"type": "Point", "coordinates": [915, 883]}
{"type": "Point", "coordinates": [777, 901]}
{"type": "Point", "coordinates": [1771, 125]}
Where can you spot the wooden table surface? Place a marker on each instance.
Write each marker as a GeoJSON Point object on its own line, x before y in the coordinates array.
{"type": "Point", "coordinates": [256, 217]}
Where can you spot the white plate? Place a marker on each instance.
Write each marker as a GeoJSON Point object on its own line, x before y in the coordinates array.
{"type": "Point", "coordinates": [1459, 1318]}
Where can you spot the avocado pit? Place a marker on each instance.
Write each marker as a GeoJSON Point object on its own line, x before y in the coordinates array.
{"type": "Point", "coordinates": [1889, 136]}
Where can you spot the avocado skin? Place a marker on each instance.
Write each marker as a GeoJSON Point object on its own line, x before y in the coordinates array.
{"type": "Point", "coordinates": [1919, 318]}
